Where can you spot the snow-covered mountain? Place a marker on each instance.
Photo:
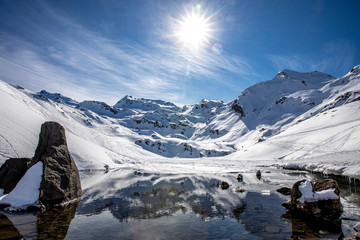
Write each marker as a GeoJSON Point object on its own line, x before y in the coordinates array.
{"type": "Point", "coordinates": [291, 118]}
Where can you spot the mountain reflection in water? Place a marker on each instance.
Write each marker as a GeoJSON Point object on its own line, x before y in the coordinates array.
{"type": "Point", "coordinates": [128, 204]}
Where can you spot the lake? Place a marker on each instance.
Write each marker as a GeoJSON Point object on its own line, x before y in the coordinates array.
{"type": "Point", "coordinates": [130, 204]}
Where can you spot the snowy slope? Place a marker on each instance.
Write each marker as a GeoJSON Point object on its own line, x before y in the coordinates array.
{"type": "Point", "coordinates": [296, 118]}
{"type": "Point", "coordinates": [325, 138]}
{"type": "Point", "coordinates": [93, 141]}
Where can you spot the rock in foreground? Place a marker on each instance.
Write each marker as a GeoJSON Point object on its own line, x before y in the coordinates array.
{"type": "Point", "coordinates": [60, 180]}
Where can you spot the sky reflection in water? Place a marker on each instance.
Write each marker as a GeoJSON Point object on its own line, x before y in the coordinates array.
{"type": "Point", "coordinates": [127, 204]}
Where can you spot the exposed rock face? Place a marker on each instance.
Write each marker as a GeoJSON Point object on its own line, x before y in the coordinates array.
{"type": "Point", "coordinates": [12, 171]}
{"type": "Point", "coordinates": [61, 180]}
{"type": "Point", "coordinates": [237, 108]}
{"type": "Point", "coordinates": [324, 199]}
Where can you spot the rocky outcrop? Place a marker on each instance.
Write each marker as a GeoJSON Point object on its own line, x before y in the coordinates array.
{"type": "Point", "coordinates": [60, 181]}
{"type": "Point", "coordinates": [237, 108]}
{"type": "Point", "coordinates": [320, 199]}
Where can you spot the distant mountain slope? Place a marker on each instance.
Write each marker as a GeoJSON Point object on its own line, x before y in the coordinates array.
{"type": "Point", "coordinates": [94, 141]}
{"type": "Point", "coordinates": [293, 116]}
{"type": "Point", "coordinates": [144, 104]}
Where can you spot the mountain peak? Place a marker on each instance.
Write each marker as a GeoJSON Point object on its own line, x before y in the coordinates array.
{"type": "Point", "coordinates": [291, 74]}
{"type": "Point", "coordinates": [143, 103]}
{"type": "Point", "coordinates": [57, 97]}
{"type": "Point", "coordinates": [285, 73]}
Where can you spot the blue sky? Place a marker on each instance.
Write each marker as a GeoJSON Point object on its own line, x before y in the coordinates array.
{"type": "Point", "coordinates": [103, 50]}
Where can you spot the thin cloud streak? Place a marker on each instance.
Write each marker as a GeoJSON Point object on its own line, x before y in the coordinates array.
{"type": "Point", "coordinates": [337, 57]}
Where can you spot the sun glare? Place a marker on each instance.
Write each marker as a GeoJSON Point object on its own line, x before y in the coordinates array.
{"type": "Point", "coordinates": [194, 29]}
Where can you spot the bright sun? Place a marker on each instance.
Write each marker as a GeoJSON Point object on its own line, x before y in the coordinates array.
{"type": "Point", "coordinates": [193, 30]}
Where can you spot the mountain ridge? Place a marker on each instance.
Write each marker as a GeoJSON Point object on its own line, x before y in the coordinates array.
{"type": "Point", "coordinates": [145, 128]}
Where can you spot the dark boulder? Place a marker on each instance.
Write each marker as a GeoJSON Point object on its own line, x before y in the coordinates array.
{"type": "Point", "coordinates": [328, 206]}
{"type": "Point", "coordinates": [12, 171]}
{"type": "Point", "coordinates": [321, 199]}
{"type": "Point", "coordinates": [61, 180]}
{"type": "Point", "coordinates": [295, 192]}
{"type": "Point", "coordinates": [258, 174]}
{"type": "Point", "coordinates": [284, 191]}
{"type": "Point", "coordinates": [224, 185]}
{"type": "Point", "coordinates": [52, 135]}
{"type": "Point", "coordinates": [240, 177]}
{"type": "Point", "coordinates": [327, 184]}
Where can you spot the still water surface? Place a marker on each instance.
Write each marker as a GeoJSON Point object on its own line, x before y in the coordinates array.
{"type": "Point", "coordinates": [129, 204]}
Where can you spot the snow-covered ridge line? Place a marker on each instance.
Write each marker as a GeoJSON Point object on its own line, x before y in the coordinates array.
{"type": "Point", "coordinates": [294, 116]}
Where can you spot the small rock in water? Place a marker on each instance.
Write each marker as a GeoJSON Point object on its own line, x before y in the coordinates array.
{"type": "Point", "coordinates": [318, 200]}
{"type": "Point", "coordinates": [240, 177]}
{"type": "Point", "coordinates": [284, 191]}
{"type": "Point", "coordinates": [224, 185]}
{"type": "Point", "coordinates": [258, 174]}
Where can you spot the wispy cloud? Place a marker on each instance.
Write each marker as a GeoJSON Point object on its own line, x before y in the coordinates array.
{"type": "Point", "coordinates": [337, 58]}
{"type": "Point", "coordinates": [82, 64]}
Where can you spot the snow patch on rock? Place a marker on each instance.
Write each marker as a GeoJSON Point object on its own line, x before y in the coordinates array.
{"type": "Point", "coordinates": [308, 195]}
